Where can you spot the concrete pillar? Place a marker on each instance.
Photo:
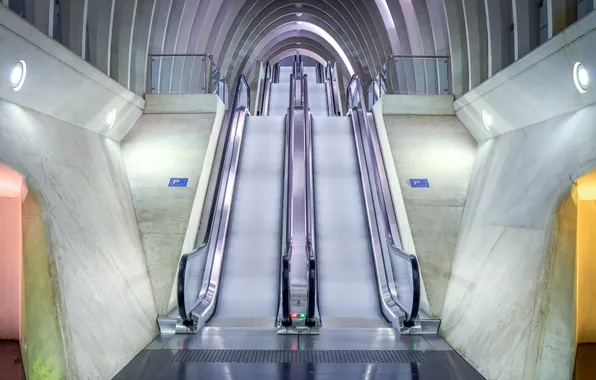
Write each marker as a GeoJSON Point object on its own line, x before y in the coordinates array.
{"type": "Point", "coordinates": [459, 51]}
{"type": "Point", "coordinates": [4, 2]}
{"type": "Point", "coordinates": [40, 13]}
{"type": "Point", "coordinates": [99, 23]}
{"type": "Point", "coordinates": [525, 26]}
{"type": "Point", "coordinates": [561, 14]}
{"type": "Point", "coordinates": [499, 20]}
{"type": "Point", "coordinates": [476, 31]}
{"type": "Point", "coordinates": [140, 46]}
{"type": "Point", "coordinates": [122, 33]}
{"type": "Point", "coordinates": [74, 25]}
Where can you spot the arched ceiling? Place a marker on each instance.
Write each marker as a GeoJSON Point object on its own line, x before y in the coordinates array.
{"type": "Point", "coordinates": [481, 36]}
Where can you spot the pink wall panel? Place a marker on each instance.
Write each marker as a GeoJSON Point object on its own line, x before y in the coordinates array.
{"type": "Point", "coordinates": [13, 191]}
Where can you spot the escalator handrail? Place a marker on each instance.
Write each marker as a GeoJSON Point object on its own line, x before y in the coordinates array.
{"type": "Point", "coordinates": [386, 204]}
{"type": "Point", "coordinates": [310, 223]}
{"type": "Point", "coordinates": [287, 255]}
{"type": "Point", "coordinates": [265, 92]}
{"type": "Point", "coordinates": [329, 78]}
{"type": "Point", "coordinates": [213, 215]}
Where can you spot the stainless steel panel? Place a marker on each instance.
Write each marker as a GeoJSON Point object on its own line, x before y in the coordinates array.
{"type": "Point", "coordinates": [363, 339]}
{"type": "Point", "coordinates": [437, 343]}
{"type": "Point", "coordinates": [239, 339]}
{"type": "Point", "coordinates": [299, 255]}
{"type": "Point", "coordinates": [159, 342]}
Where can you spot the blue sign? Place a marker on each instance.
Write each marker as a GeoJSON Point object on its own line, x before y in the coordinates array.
{"type": "Point", "coordinates": [419, 182]}
{"type": "Point", "coordinates": [178, 182]}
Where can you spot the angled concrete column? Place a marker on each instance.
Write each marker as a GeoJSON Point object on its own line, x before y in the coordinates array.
{"type": "Point", "coordinates": [99, 24]}
{"type": "Point", "coordinates": [499, 20]}
{"type": "Point", "coordinates": [525, 26]}
{"type": "Point", "coordinates": [475, 20]}
{"type": "Point", "coordinates": [140, 45]}
{"type": "Point", "coordinates": [74, 22]}
{"type": "Point", "coordinates": [561, 14]}
{"type": "Point", "coordinates": [124, 21]}
{"type": "Point", "coordinates": [459, 48]}
{"type": "Point", "coordinates": [40, 13]}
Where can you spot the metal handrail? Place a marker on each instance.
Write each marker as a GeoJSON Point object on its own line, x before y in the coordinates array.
{"type": "Point", "coordinates": [275, 73]}
{"type": "Point", "coordinates": [264, 102]}
{"type": "Point", "coordinates": [391, 81]}
{"type": "Point", "coordinates": [406, 56]}
{"type": "Point", "coordinates": [332, 100]}
{"type": "Point", "coordinates": [208, 246]}
{"type": "Point", "coordinates": [208, 69]}
{"type": "Point", "coordinates": [180, 55]}
{"type": "Point", "coordinates": [287, 255]}
{"type": "Point", "coordinates": [386, 203]}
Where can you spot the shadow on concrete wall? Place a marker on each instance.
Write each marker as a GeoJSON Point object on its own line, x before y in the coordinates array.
{"type": "Point", "coordinates": [43, 343]}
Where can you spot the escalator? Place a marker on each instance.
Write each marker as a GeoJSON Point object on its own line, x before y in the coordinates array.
{"type": "Point", "coordinates": [301, 274]}
{"type": "Point", "coordinates": [241, 254]}
{"type": "Point", "coordinates": [251, 264]}
{"type": "Point", "coordinates": [347, 295]}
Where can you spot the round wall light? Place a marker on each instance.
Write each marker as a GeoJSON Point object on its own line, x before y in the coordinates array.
{"type": "Point", "coordinates": [18, 75]}
{"type": "Point", "coordinates": [111, 119]}
{"type": "Point", "coordinates": [581, 77]}
{"type": "Point", "coordinates": [487, 119]}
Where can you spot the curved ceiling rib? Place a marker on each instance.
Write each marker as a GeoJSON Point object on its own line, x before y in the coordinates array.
{"type": "Point", "coordinates": [116, 36]}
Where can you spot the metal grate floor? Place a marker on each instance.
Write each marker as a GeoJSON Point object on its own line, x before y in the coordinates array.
{"type": "Point", "coordinates": [290, 356]}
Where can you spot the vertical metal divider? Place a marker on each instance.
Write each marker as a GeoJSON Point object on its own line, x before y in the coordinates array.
{"type": "Point", "coordinates": [312, 310]}
{"type": "Point", "coordinates": [266, 93]}
{"type": "Point", "coordinates": [283, 317]}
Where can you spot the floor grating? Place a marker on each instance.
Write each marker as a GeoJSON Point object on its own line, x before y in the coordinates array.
{"type": "Point", "coordinates": [292, 356]}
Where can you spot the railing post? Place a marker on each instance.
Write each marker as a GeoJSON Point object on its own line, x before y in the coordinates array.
{"type": "Point", "coordinates": [149, 83]}
{"type": "Point", "coordinates": [210, 76]}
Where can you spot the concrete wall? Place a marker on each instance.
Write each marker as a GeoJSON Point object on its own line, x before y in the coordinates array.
{"type": "Point", "coordinates": [440, 149]}
{"type": "Point", "coordinates": [88, 306]}
{"type": "Point", "coordinates": [437, 147]}
{"type": "Point", "coordinates": [500, 296]}
{"type": "Point", "coordinates": [99, 276]}
{"type": "Point", "coordinates": [159, 147]}
{"type": "Point", "coordinates": [537, 87]}
{"type": "Point", "coordinates": [59, 83]}
{"type": "Point", "coordinates": [417, 105]}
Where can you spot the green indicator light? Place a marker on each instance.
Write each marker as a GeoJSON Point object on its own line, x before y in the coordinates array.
{"type": "Point", "coordinates": [302, 315]}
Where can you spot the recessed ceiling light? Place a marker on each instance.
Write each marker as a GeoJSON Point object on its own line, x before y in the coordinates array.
{"type": "Point", "coordinates": [487, 119]}
{"type": "Point", "coordinates": [581, 77]}
{"type": "Point", "coordinates": [111, 118]}
{"type": "Point", "coordinates": [299, 14]}
{"type": "Point", "coordinates": [298, 5]}
{"type": "Point", "coordinates": [18, 75]}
